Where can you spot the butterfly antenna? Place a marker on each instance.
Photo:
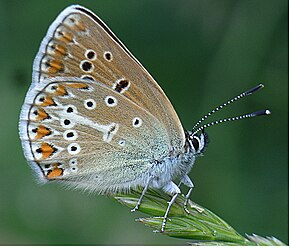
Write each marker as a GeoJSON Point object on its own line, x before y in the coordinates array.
{"type": "Point", "coordinates": [246, 93]}
{"type": "Point", "coordinates": [254, 114]}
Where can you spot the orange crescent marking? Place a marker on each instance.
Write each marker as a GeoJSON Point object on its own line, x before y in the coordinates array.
{"type": "Point", "coordinates": [47, 150]}
{"type": "Point", "coordinates": [42, 131]}
{"type": "Point", "coordinates": [48, 101]}
{"type": "Point", "coordinates": [56, 172]}
{"type": "Point", "coordinates": [78, 85]}
{"type": "Point", "coordinates": [42, 115]}
{"type": "Point", "coordinates": [55, 66]}
{"type": "Point", "coordinates": [66, 37]}
{"type": "Point", "coordinates": [61, 91]}
{"type": "Point", "coordinates": [60, 50]}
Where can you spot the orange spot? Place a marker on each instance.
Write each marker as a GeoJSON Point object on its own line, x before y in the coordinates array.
{"type": "Point", "coordinates": [79, 26]}
{"type": "Point", "coordinates": [78, 85]}
{"type": "Point", "coordinates": [56, 172]}
{"type": "Point", "coordinates": [42, 115]}
{"type": "Point", "coordinates": [46, 150]}
{"type": "Point", "coordinates": [55, 66]}
{"type": "Point", "coordinates": [60, 50]}
{"type": "Point", "coordinates": [42, 131]}
{"type": "Point", "coordinates": [61, 91]}
{"type": "Point", "coordinates": [48, 101]}
{"type": "Point", "coordinates": [66, 37]}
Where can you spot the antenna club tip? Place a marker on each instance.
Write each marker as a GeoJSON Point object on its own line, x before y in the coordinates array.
{"type": "Point", "coordinates": [261, 85]}
{"type": "Point", "coordinates": [256, 88]}
{"type": "Point", "coordinates": [261, 112]}
{"type": "Point", "coordinates": [267, 112]}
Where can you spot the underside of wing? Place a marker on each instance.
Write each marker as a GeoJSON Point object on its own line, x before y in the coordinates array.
{"type": "Point", "coordinates": [88, 134]}
{"type": "Point", "coordinates": [79, 44]}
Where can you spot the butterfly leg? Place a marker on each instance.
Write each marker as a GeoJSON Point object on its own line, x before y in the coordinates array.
{"type": "Point", "coordinates": [187, 181]}
{"type": "Point", "coordinates": [174, 190]}
{"type": "Point", "coordinates": [143, 193]}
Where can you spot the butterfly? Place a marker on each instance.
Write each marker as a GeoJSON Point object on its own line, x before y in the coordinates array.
{"type": "Point", "coordinates": [96, 120]}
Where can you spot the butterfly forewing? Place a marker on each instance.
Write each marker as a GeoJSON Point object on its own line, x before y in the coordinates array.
{"type": "Point", "coordinates": [72, 125]}
{"type": "Point", "coordinates": [79, 44]}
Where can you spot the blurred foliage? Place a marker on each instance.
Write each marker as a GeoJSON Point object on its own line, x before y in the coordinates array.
{"type": "Point", "coordinates": [201, 52]}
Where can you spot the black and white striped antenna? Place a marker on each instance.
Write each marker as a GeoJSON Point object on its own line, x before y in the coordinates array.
{"type": "Point", "coordinates": [196, 129]}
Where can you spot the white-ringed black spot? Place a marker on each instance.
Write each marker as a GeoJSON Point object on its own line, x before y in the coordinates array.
{"type": "Point", "coordinates": [73, 162]}
{"type": "Point", "coordinates": [90, 54]}
{"type": "Point", "coordinates": [73, 148]}
{"type": "Point", "coordinates": [111, 101]}
{"type": "Point", "coordinates": [70, 135]}
{"type": "Point", "coordinates": [70, 109]}
{"type": "Point", "coordinates": [90, 104]}
{"type": "Point", "coordinates": [108, 56]}
{"type": "Point", "coordinates": [121, 85]}
{"type": "Point", "coordinates": [86, 66]}
{"type": "Point", "coordinates": [67, 123]}
{"type": "Point", "coordinates": [137, 122]}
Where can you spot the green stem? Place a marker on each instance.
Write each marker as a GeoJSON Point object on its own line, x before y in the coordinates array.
{"type": "Point", "coordinates": [200, 225]}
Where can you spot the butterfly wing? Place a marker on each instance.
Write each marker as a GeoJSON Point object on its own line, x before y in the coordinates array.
{"type": "Point", "coordinates": [79, 44]}
{"type": "Point", "coordinates": [88, 134]}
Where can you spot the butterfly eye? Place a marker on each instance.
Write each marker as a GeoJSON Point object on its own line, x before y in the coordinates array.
{"type": "Point", "coordinates": [196, 143]}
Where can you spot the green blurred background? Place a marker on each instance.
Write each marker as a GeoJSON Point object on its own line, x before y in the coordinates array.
{"type": "Point", "coordinates": [201, 53]}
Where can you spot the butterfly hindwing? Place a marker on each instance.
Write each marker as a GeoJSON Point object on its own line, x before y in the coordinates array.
{"type": "Point", "coordinates": [86, 127]}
